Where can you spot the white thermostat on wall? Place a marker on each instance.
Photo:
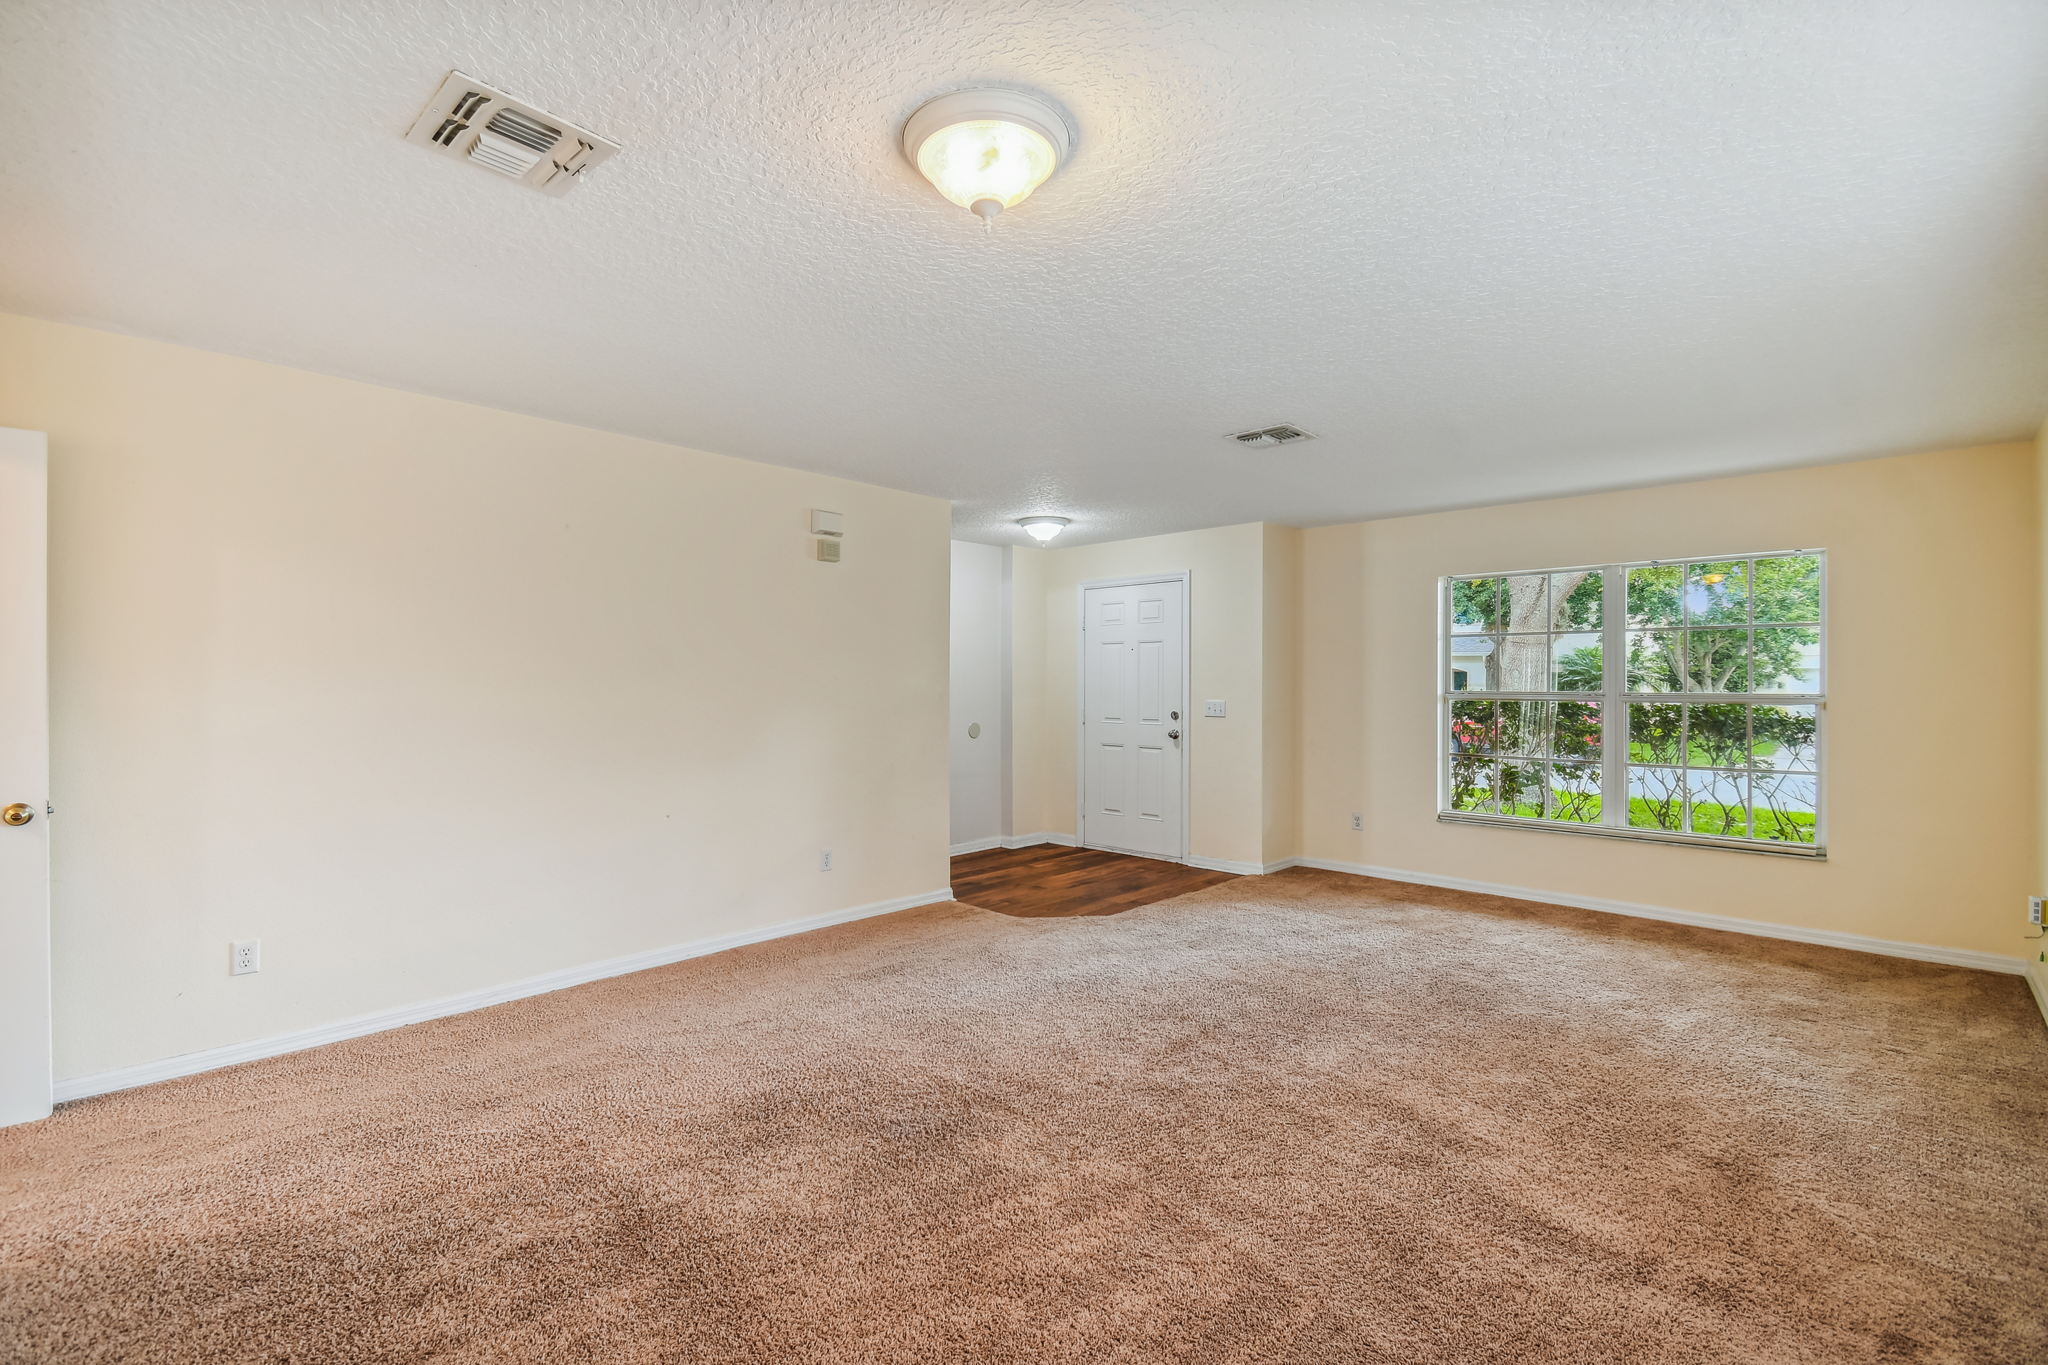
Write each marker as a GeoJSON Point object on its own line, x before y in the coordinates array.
{"type": "Point", "coordinates": [826, 523]}
{"type": "Point", "coordinates": [1214, 708]}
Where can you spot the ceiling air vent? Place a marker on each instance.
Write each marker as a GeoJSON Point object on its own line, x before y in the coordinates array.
{"type": "Point", "coordinates": [489, 128]}
{"type": "Point", "coordinates": [1286, 433]}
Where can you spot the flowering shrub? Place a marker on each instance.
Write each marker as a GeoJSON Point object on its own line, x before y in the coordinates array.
{"type": "Point", "coordinates": [1738, 768]}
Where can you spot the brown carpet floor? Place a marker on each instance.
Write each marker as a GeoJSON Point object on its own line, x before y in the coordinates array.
{"type": "Point", "coordinates": [1299, 1118]}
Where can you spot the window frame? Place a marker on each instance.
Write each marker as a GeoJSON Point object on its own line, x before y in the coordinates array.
{"type": "Point", "coordinates": [1615, 703]}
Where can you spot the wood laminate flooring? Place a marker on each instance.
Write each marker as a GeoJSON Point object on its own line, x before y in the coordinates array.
{"type": "Point", "coordinates": [1050, 880]}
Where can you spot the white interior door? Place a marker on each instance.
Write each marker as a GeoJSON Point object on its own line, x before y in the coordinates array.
{"type": "Point", "coordinates": [1133, 783]}
{"type": "Point", "coordinates": [24, 781]}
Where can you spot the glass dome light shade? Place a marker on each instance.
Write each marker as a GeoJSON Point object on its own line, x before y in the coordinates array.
{"type": "Point", "coordinates": [986, 150]}
{"type": "Point", "coordinates": [986, 159]}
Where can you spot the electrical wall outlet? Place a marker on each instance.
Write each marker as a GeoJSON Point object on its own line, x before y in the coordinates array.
{"type": "Point", "coordinates": [2034, 904]}
{"type": "Point", "coordinates": [245, 955]}
{"type": "Point", "coordinates": [1358, 820]}
{"type": "Point", "coordinates": [824, 860]}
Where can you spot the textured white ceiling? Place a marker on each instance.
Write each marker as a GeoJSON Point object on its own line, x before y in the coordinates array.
{"type": "Point", "coordinates": [1488, 250]}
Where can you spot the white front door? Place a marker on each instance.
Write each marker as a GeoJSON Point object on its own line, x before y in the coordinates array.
{"type": "Point", "coordinates": [1132, 718]}
{"type": "Point", "coordinates": [24, 782]}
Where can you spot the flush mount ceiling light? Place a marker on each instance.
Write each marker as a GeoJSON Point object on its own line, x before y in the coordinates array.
{"type": "Point", "coordinates": [1042, 529]}
{"type": "Point", "coordinates": [986, 150]}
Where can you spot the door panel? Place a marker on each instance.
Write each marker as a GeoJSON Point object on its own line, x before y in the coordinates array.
{"type": "Point", "coordinates": [1151, 784]}
{"type": "Point", "coordinates": [24, 781]}
{"type": "Point", "coordinates": [1133, 718]}
{"type": "Point", "coordinates": [1109, 778]}
{"type": "Point", "coordinates": [1152, 706]}
{"type": "Point", "coordinates": [1112, 663]}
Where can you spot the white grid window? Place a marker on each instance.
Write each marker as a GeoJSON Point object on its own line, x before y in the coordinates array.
{"type": "Point", "coordinates": [1681, 701]}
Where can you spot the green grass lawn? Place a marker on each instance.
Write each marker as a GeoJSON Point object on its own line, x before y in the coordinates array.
{"type": "Point", "coordinates": [1701, 757]}
{"type": "Point", "coordinates": [1792, 828]}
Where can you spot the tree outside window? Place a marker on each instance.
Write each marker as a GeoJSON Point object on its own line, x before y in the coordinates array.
{"type": "Point", "coordinates": [1703, 725]}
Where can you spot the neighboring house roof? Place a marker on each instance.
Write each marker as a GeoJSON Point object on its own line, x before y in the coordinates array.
{"type": "Point", "coordinates": [1471, 644]}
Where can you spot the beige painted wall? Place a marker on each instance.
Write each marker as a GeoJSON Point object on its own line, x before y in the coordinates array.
{"type": "Point", "coordinates": [1030, 745]}
{"type": "Point", "coordinates": [2035, 950]}
{"type": "Point", "coordinates": [430, 697]}
{"type": "Point", "coordinates": [977, 727]}
{"type": "Point", "coordinates": [1226, 758]}
{"type": "Point", "coordinates": [1281, 699]}
{"type": "Point", "coordinates": [1931, 782]}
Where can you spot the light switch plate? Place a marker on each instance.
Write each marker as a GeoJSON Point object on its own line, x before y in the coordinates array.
{"type": "Point", "coordinates": [1214, 708]}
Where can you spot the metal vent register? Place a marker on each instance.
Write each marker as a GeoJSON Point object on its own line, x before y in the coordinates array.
{"type": "Point", "coordinates": [488, 128]}
{"type": "Point", "coordinates": [1279, 435]}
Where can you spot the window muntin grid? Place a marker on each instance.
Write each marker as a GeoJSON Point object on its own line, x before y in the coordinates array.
{"type": "Point", "coordinates": [1731, 650]}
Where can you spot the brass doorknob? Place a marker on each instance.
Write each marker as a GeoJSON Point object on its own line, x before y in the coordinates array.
{"type": "Point", "coordinates": [20, 813]}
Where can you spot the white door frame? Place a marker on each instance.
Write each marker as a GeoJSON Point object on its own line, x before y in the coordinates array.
{"type": "Point", "coordinates": [25, 1081]}
{"type": "Point", "coordinates": [1187, 729]}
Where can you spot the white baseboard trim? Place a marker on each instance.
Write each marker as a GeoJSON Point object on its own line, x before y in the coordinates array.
{"type": "Point", "coordinates": [191, 1063]}
{"type": "Point", "coordinates": [976, 846]}
{"type": "Point", "coordinates": [1241, 869]}
{"type": "Point", "coordinates": [2037, 979]}
{"type": "Point", "coordinates": [1027, 840]}
{"type": "Point", "coordinates": [1920, 952]}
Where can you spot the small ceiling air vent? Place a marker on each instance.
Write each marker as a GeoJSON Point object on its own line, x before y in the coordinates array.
{"type": "Point", "coordinates": [469, 119]}
{"type": "Point", "coordinates": [1285, 433]}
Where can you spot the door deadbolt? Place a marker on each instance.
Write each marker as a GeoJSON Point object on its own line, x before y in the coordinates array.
{"type": "Point", "coordinates": [20, 813]}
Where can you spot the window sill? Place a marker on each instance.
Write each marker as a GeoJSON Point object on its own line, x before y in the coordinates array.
{"type": "Point", "coordinates": [1641, 836]}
